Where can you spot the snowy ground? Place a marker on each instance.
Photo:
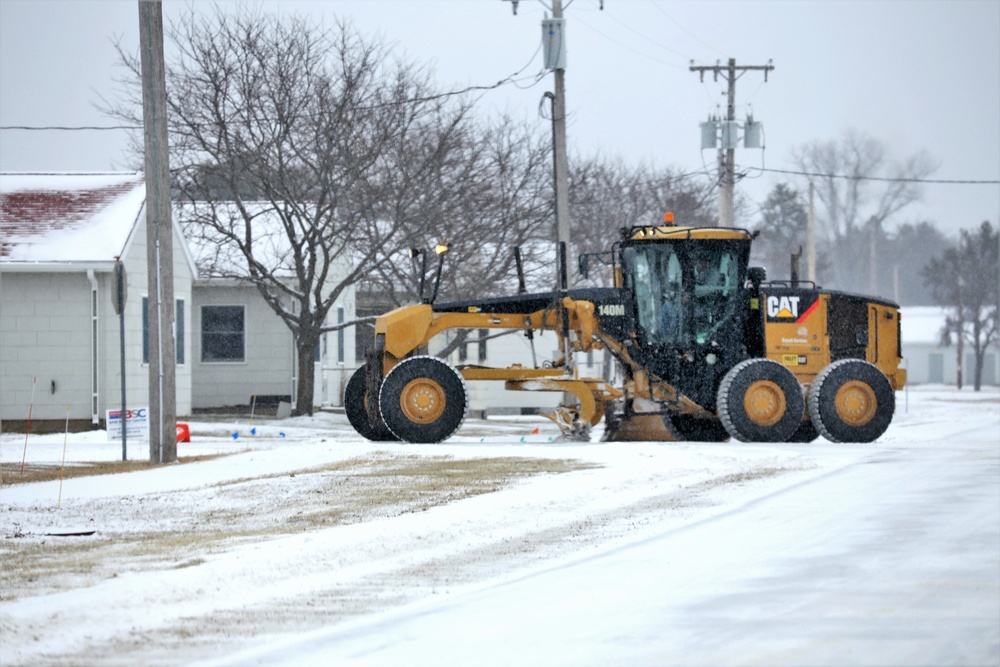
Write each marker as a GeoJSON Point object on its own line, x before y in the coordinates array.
{"type": "Point", "coordinates": [304, 544]}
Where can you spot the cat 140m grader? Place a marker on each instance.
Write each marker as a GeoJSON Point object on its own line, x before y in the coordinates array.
{"type": "Point", "coordinates": [706, 349]}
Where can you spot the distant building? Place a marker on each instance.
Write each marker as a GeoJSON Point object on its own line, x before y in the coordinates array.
{"type": "Point", "coordinates": [928, 361]}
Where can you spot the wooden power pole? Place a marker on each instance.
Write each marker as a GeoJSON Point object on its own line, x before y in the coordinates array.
{"type": "Point", "coordinates": [727, 153]}
{"type": "Point", "coordinates": [554, 54]}
{"type": "Point", "coordinates": [159, 239]}
{"type": "Point", "coordinates": [559, 135]}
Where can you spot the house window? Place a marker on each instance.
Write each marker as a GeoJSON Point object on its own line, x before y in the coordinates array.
{"type": "Point", "coordinates": [178, 334]}
{"type": "Point", "coordinates": [322, 349]}
{"type": "Point", "coordinates": [222, 333]}
{"type": "Point", "coordinates": [479, 342]}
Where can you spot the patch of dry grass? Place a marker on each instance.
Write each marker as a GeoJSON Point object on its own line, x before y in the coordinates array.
{"type": "Point", "coordinates": [229, 513]}
{"type": "Point", "coordinates": [11, 473]}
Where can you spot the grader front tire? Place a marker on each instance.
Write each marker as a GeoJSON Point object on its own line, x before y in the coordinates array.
{"type": "Point", "coordinates": [851, 401]}
{"type": "Point", "coordinates": [423, 399]}
{"type": "Point", "coordinates": [356, 407]}
{"type": "Point", "coordinates": [760, 400]}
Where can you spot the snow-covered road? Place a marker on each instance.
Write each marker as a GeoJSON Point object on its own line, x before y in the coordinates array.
{"type": "Point", "coordinates": [893, 560]}
{"type": "Point", "coordinates": [308, 545]}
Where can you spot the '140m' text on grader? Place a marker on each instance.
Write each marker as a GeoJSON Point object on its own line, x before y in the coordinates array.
{"type": "Point", "coordinates": [706, 349]}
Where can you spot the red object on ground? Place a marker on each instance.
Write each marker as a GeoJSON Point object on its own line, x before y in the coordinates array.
{"type": "Point", "coordinates": [183, 433]}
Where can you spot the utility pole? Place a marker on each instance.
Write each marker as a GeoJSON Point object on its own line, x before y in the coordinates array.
{"type": "Point", "coordinates": [873, 263]}
{"type": "Point", "coordinates": [811, 235]}
{"type": "Point", "coordinates": [557, 31]}
{"type": "Point", "coordinates": [554, 52]}
{"type": "Point", "coordinates": [159, 239]}
{"type": "Point", "coordinates": [727, 153]}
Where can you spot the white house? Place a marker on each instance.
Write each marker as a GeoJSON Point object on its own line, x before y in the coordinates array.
{"type": "Point", "coordinates": [60, 356]}
{"type": "Point", "coordinates": [244, 352]}
{"type": "Point", "coordinates": [928, 361]}
{"type": "Point", "coordinates": [60, 236]}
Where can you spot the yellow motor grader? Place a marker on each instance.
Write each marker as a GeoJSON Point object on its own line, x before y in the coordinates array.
{"type": "Point", "coordinates": [706, 349]}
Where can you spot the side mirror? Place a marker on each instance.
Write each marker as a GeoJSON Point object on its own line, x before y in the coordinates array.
{"type": "Point", "coordinates": [583, 263]}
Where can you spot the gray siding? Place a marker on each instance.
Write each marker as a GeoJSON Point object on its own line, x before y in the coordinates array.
{"type": "Point", "coordinates": [45, 333]}
{"type": "Point", "coordinates": [137, 372]}
{"type": "Point", "coordinates": [267, 368]}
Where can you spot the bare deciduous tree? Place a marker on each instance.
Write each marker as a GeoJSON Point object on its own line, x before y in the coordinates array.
{"type": "Point", "coordinates": [492, 194]}
{"type": "Point", "coordinates": [783, 220]}
{"type": "Point", "coordinates": [860, 188]}
{"type": "Point", "coordinates": [608, 194]}
{"type": "Point", "coordinates": [911, 247]}
{"type": "Point", "coordinates": [310, 159]}
{"type": "Point", "coordinates": [966, 279]}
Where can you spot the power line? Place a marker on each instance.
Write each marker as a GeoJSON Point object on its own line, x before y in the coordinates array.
{"type": "Point", "coordinates": [878, 178]}
{"type": "Point", "coordinates": [73, 128]}
{"type": "Point", "coordinates": [514, 79]}
{"type": "Point", "coordinates": [678, 24]}
{"type": "Point", "coordinates": [627, 47]}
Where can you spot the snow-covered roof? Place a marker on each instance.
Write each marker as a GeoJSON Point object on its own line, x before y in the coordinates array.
{"type": "Point", "coordinates": [68, 218]}
{"type": "Point", "coordinates": [218, 257]}
{"type": "Point", "coordinates": [922, 324]}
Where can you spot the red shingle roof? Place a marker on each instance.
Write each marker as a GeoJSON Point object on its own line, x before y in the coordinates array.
{"type": "Point", "coordinates": [67, 217]}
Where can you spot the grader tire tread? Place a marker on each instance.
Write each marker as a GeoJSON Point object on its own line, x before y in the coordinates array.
{"type": "Point", "coordinates": [851, 400]}
{"type": "Point", "coordinates": [782, 405]}
{"type": "Point", "coordinates": [355, 407]}
{"type": "Point", "coordinates": [423, 400]}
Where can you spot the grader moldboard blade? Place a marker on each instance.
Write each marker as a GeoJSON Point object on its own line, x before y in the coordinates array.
{"type": "Point", "coordinates": [639, 426]}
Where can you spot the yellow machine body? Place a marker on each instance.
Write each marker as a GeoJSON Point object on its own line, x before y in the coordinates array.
{"type": "Point", "coordinates": [742, 357]}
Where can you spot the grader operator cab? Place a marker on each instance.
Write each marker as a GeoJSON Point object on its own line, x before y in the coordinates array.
{"type": "Point", "coordinates": [706, 349]}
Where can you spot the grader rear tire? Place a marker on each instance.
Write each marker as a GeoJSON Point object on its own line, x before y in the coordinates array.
{"type": "Point", "coordinates": [760, 400]}
{"type": "Point", "coordinates": [851, 401]}
{"type": "Point", "coordinates": [356, 407]}
{"type": "Point", "coordinates": [423, 399]}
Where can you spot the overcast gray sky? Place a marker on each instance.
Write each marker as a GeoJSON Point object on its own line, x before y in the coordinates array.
{"type": "Point", "coordinates": [916, 74]}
